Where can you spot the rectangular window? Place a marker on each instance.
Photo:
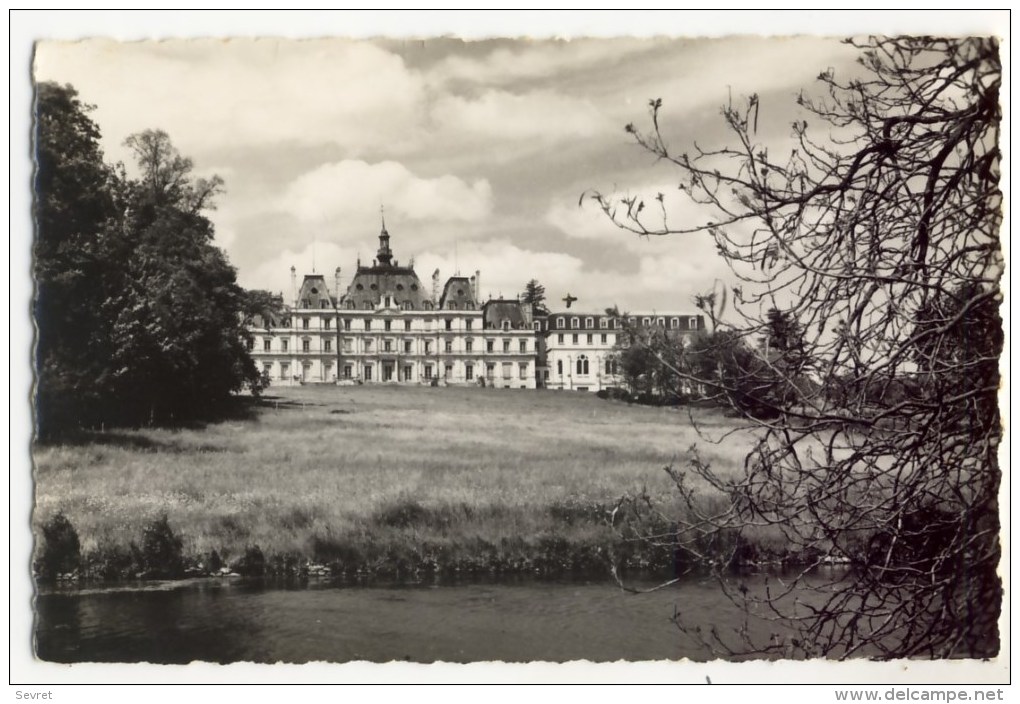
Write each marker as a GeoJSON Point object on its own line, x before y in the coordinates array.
{"type": "Point", "coordinates": [368, 372]}
{"type": "Point", "coordinates": [284, 344]}
{"type": "Point", "coordinates": [506, 369]}
{"type": "Point", "coordinates": [449, 371]}
{"type": "Point", "coordinates": [469, 371]}
{"type": "Point", "coordinates": [348, 370]}
{"type": "Point", "coordinates": [326, 323]}
{"type": "Point", "coordinates": [387, 346]}
{"type": "Point", "coordinates": [407, 325]}
{"type": "Point", "coordinates": [347, 345]}
{"type": "Point", "coordinates": [387, 325]}
{"type": "Point", "coordinates": [524, 345]}
{"type": "Point", "coordinates": [387, 372]}
{"type": "Point", "coordinates": [603, 323]}
{"type": "Point", "coordinates": [347, 323]}
{"type": "Point", "coordinates": [559, 367]}
{"type": "Point", "coordinates": [589, 339]}
{"type": "Point", "coordinates": [267, 345]}
{"type": "Point", "coordinates": [489, 345]}
{"type": "Point", "coordinates": [284, 370]}
{"type": "Point", "coordinates": [327, 345]}
{"type": "Point", "coordinates": [428, 371]}
{"type": "Point", "coordinates": [559, 338]}
{"type": "Point", "coordinates": [605, 338]}
{"type": "Point", "coordinates": [575, 339]}
{"type": "Point", "coordinates": [368, 324]}
{"type": "Point", "coordinates": [408, 371]}
{"type": "Point", "coordinates": [469, 345]}
{"type": "Point", "coordinates": [368, 345]}
{"type": "Point", "coordinates": [506, 345]}
{"type": "Point", "coordinates": [449, 324]}
{"type": "Point", "coordinates": [428, 346]}
{"type": "Point", "coordinates": [490, 370]}
{"type": "Point", "coordinates": [306, 345]}
{"type": "Point", "coordinates": [305, 322]}
{"type": "Point", "coordinates": [449, 345]}
{"type": "Point", "coordinates": [522, 371]}
{"type": "Point", "coordinates": [407, 345]}
{"type": "Point", "coordinates": [467, 324]}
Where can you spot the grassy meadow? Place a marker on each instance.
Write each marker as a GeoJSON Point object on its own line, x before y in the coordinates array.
{"type": "Point", "coordinates": [381, 479]}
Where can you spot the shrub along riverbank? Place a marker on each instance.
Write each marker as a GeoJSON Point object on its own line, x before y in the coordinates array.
{"type": "Point", "coordinates": [372, 480]}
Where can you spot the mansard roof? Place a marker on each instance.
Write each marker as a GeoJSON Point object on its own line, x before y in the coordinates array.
{"type": "Point", "coordinates": [314, 293]}
{"type": "Point", "coordinates": [371, 283]}
{"type": "Point", "coordinates": [496, 311]}
{"type": "Point", "coordinates": [460, 291]}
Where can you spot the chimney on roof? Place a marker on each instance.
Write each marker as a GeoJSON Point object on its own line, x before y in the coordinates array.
{"type": "Point", "coordinates": [293, 285]}
{"type": "Point", "coordinates": [478, 287]}
{"type": "Point", "coordinates": [336, 283]}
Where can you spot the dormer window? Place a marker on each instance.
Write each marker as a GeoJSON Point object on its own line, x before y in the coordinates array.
{"type": "Point", "coordinates": [692, 323]}
{"type": "Point", "coordinates": [453, 306]}
{"type": "Point", "coordinates": [661, 322]}
{"type": "Point", "coordinates": [646, 321]}
{"type": "Point", "coordinates": [603, 323]}
{"type": "Point", "coordinates": [400, 287]}
{"type": "Point", "coordinates": [559, 322]}
{"type": "Point", "coordinates": [315, 290]}
{"type": "Point", "coordinates": [589, 323]}
{"type": "Point", "coordinates": [360, 287]}
{"type": "Point", "coordinates": [506, 324]}
{"type": "Point", "coordinates": [575, 323]}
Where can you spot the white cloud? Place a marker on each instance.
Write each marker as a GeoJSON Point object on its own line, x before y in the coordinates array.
{"type": "Point", "coordinates": [532, 60]}
{"type": "Point", "coordinates": [539, 115]}
{"type": "Point", "coordinates": [229, 94]}
{"type": "Point", "coordinates": [351, 190]}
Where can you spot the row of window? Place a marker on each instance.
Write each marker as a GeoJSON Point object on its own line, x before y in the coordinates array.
{"type": "Point", "coordinates": [589, 339]}
{"type": "Point", "coordinates": [390, 345]}
{"type": "Point", "coordinates": [582, 367]}
{"type": "Point", "coordinates": [675, 323]}
{"type": "Point", "coordinates": [388, 372]}
{"type": "Point", "coordinates": [327, 324]}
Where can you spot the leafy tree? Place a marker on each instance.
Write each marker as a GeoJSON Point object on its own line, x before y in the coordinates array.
{"type": "Point", "coordinates": [534, 293]}
{"type": "Point", "coordinates": [139, 315]}
{"type": "Point", "coordinates": [879, 236]}
{"type": "Point", "coordinates": [74, 211]}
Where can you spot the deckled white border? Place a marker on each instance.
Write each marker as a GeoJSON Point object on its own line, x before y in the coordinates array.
{"type": "Point", "coordinates": [25, 27]}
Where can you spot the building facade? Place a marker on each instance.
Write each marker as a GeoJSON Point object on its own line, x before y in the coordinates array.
{"type": "Point", "coordinates": [578, 350]}
{"type": "Point", "coordinates": [387, 327]}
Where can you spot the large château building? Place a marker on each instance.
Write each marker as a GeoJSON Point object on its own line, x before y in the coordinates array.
{"type": "Point", "coordinates": [388, 327]}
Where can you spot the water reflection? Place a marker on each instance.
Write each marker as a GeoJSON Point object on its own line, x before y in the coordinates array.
{"type": "Point", "coordinates": [509, 620]}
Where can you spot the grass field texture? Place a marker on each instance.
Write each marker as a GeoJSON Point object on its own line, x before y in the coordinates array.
{"type": "Point", "coordinates": [381, 478]}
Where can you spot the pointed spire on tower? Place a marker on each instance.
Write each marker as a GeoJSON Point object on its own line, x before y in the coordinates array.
{"type": "Point", "coordinates": [385, 255]}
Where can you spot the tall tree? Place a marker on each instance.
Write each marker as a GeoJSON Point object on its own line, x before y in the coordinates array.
{"type": "Point", "coordinates": [880, 238]}
{"type": "Point", "coordinates": [75, 214]}
{"type": "Point", "coordinates": [139, 314]}
{"type": "Point", "coordinates": [534, 293]}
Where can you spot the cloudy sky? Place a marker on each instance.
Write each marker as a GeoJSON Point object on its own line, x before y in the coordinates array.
{"type": "Point", "coordinates": [479, 150]}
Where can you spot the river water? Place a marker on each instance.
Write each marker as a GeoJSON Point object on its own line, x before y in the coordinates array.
{"type": "Point", "coordinates": [509, 620]}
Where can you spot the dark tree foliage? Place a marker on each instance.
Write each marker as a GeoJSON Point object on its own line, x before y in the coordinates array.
{"type": "Point", "coordinates": [60, 550]}
{"type": "Point", "coordinates": [534, 293]}
{"type": "Point", "coordinates": [139, 315]}
{"type": "Point", "coordinates": [877, 237]}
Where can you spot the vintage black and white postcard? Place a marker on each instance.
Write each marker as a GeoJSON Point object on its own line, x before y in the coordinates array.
{"type": "Point", "coordinates": [426, 348]}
